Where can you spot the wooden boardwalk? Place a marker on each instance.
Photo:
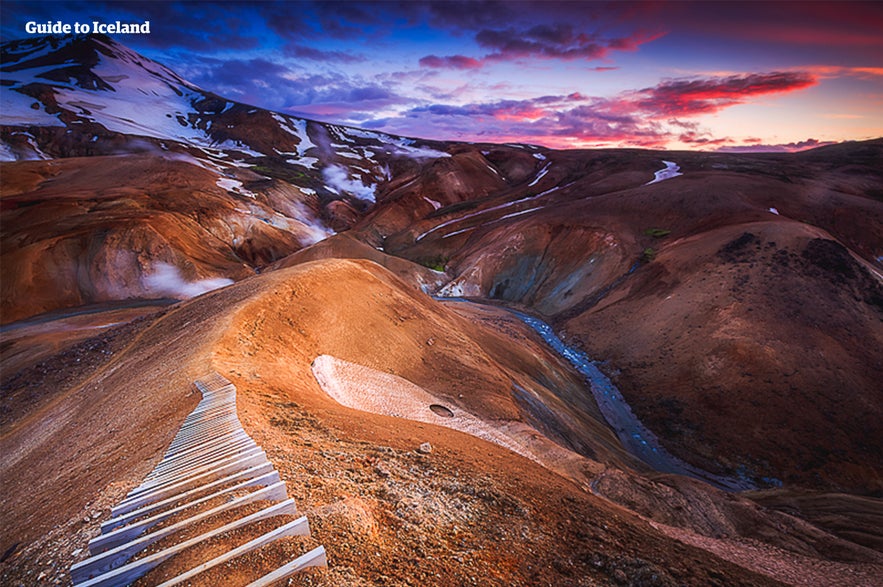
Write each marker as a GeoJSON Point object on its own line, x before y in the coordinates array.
{"type": "Point", "coordinates": [209, 472]}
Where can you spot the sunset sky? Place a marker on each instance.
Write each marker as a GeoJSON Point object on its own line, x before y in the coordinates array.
{"type": "Point", "coordinates": [709, 75]}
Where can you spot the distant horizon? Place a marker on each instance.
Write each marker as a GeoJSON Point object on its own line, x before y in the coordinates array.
{"type": "Point", "coordinates": [723, 76]}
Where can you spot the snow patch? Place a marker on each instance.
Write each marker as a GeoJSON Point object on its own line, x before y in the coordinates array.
{"type": "Point", "coordinates": [6, 153]}
{"type": "Point", "coordinates": [296, 127]}
{"type": "Point", "coordinates": [540, 175]}
{"type": "Point", "coordinates": [17, 110]}
{"type": "Point", "coordinates": [671, 170]}
{"type": "Point", "coordinates": [308, 162]}
{"type": "Point", "coordinates": [435, 205]}
{"type": "Point", "coordinates": [774, 211]}
{"type": "Point", "coordinates": [235, 186]}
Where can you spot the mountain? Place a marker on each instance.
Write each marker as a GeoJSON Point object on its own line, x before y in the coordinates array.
{"type": "Point", "coordinates": [731, 306]}
{"type": "Point", "coordinates": [213, 189]}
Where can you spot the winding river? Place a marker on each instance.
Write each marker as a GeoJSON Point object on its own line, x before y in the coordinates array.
{"type": "Point", "coordinates": [632, 433]}
{"type": "Point", "coordinates": [634, 436]}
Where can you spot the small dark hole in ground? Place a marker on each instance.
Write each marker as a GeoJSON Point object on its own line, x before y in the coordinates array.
{"type": "Point", "coordinates": [441, 410]}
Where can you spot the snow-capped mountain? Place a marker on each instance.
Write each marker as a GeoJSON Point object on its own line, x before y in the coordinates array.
{"type": "Point", "coordinates": [168, 178]}
{"type": "Point", "coordinates": [111, 99]}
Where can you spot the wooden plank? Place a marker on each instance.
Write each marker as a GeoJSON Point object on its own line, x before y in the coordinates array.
{"type": "Point", "coordinates": [314, 558]}
{"type": "Point", "coordinates": [226, 435]}
{"type": "Point", "coordinates": [115, 557]}
{"type": "Point", "coordinates": [229, 446]}
{"type": "Point", "coordinates": [161, 485]}
{"type": "Point", "coordinates": [196, 427]}
{"type": "Point", "coordinates": [164, 491]}
{"type": "Point", "coordinates": [128, 533]}
{"type": "Point", "coordinates": [136, 569]}
{"type": "Point", "coordinates": [253, 472]}
{"type": "Point", "coordinates": [205, 460]}
{"type": "Point", "coordinates": [200, 436]}
{"type": "Point", "coordinates": [156, 483]}
{"type": "Point", "coordinates": [298, 527]}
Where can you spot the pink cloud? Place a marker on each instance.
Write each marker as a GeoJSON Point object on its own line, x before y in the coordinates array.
{"type": "Point", "coordinates": [651, 117]}
{"type": "Point", "coordinates": [702, 96]}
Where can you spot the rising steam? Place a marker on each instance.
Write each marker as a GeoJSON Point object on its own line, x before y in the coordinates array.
{"type": "Point", "coordinates": [338, 178]}
{"type": "Point", "coordinates": [166, 281]}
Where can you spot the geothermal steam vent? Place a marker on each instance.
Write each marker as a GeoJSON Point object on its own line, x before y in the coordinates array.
{"type": "Point", "coordinates": [211, 473]}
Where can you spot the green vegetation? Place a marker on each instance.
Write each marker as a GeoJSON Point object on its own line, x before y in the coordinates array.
{"type": "Point", "coordinates": [648, 255]}
{"type": "Point", "coordinates": [436, 263]}
{"type": "Point", "coordinates": [657, 232]}
{"type": "Point", "coordinates": [284, 173]}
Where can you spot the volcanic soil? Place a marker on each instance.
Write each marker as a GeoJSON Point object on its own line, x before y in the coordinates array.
{"type": "Point", "coordinates": [464, 512]}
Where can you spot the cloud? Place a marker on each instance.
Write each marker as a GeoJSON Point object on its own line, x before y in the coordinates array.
{"type": "Point", "coordinates": [691, 97]}
{"type": "Point", "coordinates": [283, 88]}
{"type": "Point", "coordinates": [757, 147]}
{"type": "Point", "coordinates": [551, 30]}
{"type": "Point", "coordinates": [305, 52]}
{"type": "Point", "coordinates": [541, 41]}
{"type": "Point", "coordinates": [555, 41]}
{"type": "Point", "coordinates": [451, 62]}
{"type": "Point", "coordinates": [466, 14]}
{"type": "Point", "coordinates": [651, 117]}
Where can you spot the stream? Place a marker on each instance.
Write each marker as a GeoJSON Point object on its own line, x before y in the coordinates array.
{"type": "Point", "coordinates": [634, 436]}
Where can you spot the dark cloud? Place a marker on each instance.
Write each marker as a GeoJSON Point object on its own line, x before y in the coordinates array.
{"type": "Point", "coordinates": [544, 42]}
{"type": "Point", "coordinates": [311, 53]}
{"type": "Point", "coordinates": [757, 147]}
{"type": "Point", "coordinates": [451, 62]}
{"type": "Point", "coordinates": [541, 41]}
{"type": "Point", "coordinates": [467, 15]}
{"type": "Point", "coordinates": [266, 83]}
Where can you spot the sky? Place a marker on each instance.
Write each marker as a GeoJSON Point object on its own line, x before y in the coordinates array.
{"type": "Point", "coordinates": [758, 76]}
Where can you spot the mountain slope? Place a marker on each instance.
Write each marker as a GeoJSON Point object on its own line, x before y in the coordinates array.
{"type": "Point", "coordinates": [212, 189]}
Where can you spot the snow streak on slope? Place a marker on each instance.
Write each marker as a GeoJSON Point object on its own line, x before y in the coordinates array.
{"type": "Point", "coordinates": [671, 170]}
{"type": "Point", "coordinates": [141, 97]}
{"type": "Point", "coordinates": [298, 128]}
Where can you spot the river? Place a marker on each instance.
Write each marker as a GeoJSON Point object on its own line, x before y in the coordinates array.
{"type": "Point", "coordinates": [634, 436]}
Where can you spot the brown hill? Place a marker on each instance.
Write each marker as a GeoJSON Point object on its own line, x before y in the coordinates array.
{"type": "Point", "coordinates": [708, 293]}
{"type": "Point", "coordinates": [385, 511]}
